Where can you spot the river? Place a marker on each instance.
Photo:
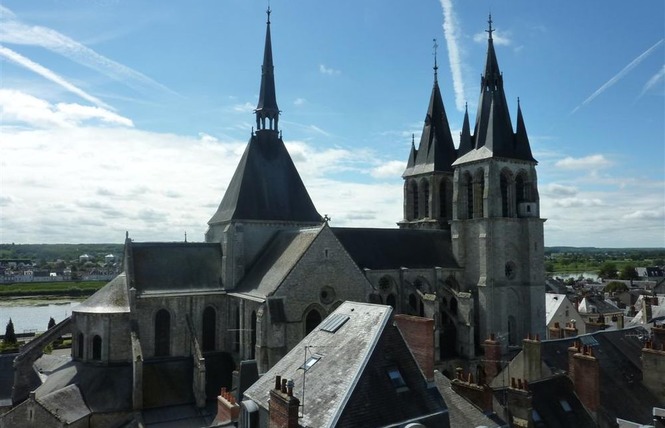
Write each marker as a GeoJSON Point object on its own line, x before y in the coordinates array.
{"type": "Point", "coordinates": [30, 315]}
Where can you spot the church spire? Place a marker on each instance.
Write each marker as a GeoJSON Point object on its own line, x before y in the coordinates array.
{"type": "Point", "coordinates": [493, 128]}
{"type": "Point", "coordinates": [267, 112]}
{"type": "Point", "coordinates": [436, 151]}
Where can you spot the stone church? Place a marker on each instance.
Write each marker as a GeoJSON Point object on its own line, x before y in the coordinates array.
{"type": "Point", "coordinates": [468, 253]}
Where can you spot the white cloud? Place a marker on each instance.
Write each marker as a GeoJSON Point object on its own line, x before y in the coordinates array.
{"type": "Point", "coordinates": [654, 80]}
{"type": "Point", "coordinates": [558, 190]}
{"type": "Point", "coordinates": [244, 108]}
{"type": "Point", "coordinates": [657, 213]}
{"type": "Point", "coordinates": [19, 107]}
{"type": "Point", "coordinates": [577, 202]}
{"type": "Point", "coordinates": [48, 74]}
{"type": "Point", "coordinates": [451, 33]}
{"type": "Point", "coordinates": [389, 169]}
{"type": "Point", "coordinates": [13, 31]}
{"type": "Point", "coordinates": [91, 183]}
{"type": "Point", "coordinates": [327, 70]}
{"type": "Point", "coordinates": [499, 38]}
{"type": "Point", "coordinates": [590, 162]}
{"type": "Point", "coordinates": [634, 63]}
{"type": "Point", "coordinates": [299, 102]}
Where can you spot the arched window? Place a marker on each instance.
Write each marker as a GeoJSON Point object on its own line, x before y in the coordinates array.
{"type": "Point", "coordinates": [512, 330]}
{"type": "Point", "coordinates": [390, 300]}
{"type": "Point", "coordinates": [79, 345]}
{"type": "Point", "coordinates": [468, 186]}
{"type": "Point", "coordinates": [312, 319]}
{"type": "Point", "coordinates": [445, 199]}
{"type": "Point", "coordinates": [415, 201]}
{"type": "Point", "coordinates": [252, 351]}
{"type": "Point", "coordinates": [162, 333]}
{"type": "Point", "coordinates": [504, 196]}
{"type": "Point", "coordinates": [208, 329]}
{"type": "Point", "coordinates": [519, 189]}
{"type": "Point", "coordinates": [479, 194]}
{"type": "Point", "coordinates": [424, 186]}
{"type": "Point", "coordinates": [97, 348]}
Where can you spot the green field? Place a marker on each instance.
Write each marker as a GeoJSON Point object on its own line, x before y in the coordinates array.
{"type": "Point", "coordinates": [64, 288]}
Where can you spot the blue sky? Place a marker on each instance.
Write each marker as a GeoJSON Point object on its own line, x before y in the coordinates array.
{"type": "Point", "coordinates": [131, 115]}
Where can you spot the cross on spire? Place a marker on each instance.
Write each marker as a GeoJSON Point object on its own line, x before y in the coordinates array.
{"type": "Point", "coordinates": [490, 31]}
{"type": "Point", "coordinates": [268, 13]}
{"type": "Point", "coordinates": [436, 67]}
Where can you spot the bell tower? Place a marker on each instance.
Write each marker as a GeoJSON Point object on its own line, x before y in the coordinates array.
{"type": "Point", "coordinates": [496, 230]}
{"type": "Point", "coordinates": [428, 191]}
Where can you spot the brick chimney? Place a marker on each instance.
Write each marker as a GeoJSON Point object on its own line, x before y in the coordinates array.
{"type": "Point", "coordinates": [584, 371]}
{"type": "Point", "coordinates": [480, 395]}
{"type": "Point", "coordinates": [283, 407]}
{"type": "Point", "coordinates": [573, 349]}
{"type": "Point", "coordinates": [653, 369]}
{"type": "Point", "coordinates": [228, 409]}
{"type": "Point", "coordinates": [570, 330]}
{"type": "Point", "coordinates": [519, 401]}
{"type": "Point", "coordinates": [646, 310]}
{"type": "Point", "coordinates": [492, 358]}
{"type": "Point", "coordinates": [658, 335]}
{"type": "Point", "coordinates": [556, 332]}
{"type": "Point", "coordinates": [532, 360]}
{"type": "Point", "coordinates": [596, 324]}
{"type": "Point", "coordinates": [418, 332]}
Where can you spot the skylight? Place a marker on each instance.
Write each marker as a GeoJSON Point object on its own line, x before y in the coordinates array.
{"type": "Point", "coordinates": [333, 322]}
{"type": "Point", "coordinates": [310, 362]}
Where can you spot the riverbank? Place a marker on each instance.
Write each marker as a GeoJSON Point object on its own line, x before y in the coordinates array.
{"type": "Point", "coordinates": [47, 290]}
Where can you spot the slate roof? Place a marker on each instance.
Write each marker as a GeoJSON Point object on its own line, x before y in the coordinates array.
{"type": "Point", "coordinates": [66, 404]}
{"type": "Point", "coordinates": [6, 378]}
{"type": "Point", "coordinates": [462, 413]}
{"type": "Point", "coordinates": [276, 261]}
{"type": "Point", "coordinates": [555, 404]}
{"type": "Point", "coordinates": [175, 267]}
{"type": "Point", "coordinates": [266, 186]}
{"type": "Point", "coordinates": [104, 389]}
{"type": "Point", "coordinates": [593, 305]}
{"type": "Point", "coordinates": [395, 248]}
{"type": "Point", "coordinates": [349, 385]}
{"type": "Point", "coordinates": [552, 304]}
{"type": "Point", "coordinates": [618, 352]}
{"type": "Point", "coordinates": [111, 298]}
{"type": "Point", "coordinates": [436, 151]}
{"type": "Point", "coordinates": [493, 130]}
{"type": "Point", "coordinates": [267, 104]}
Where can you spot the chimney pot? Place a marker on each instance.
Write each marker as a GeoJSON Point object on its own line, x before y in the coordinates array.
{"type": "Point", "coordinates": [519, 383]}
{"type": "Point", "coordinates": [513, 383]}
{"type": "Point", "coordinates": [283, 389]}
{"type": "Point", "coordinates": [289, 387]}
{"type": "Point", "coordinates": [278, 382]}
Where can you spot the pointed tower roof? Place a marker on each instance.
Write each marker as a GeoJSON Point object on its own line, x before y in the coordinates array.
{"type": "Point", "coordinates": [493, 131]}
{"type": "Point", "coordinates": [522, 146]}
{"type": "Point", "coordinates": [493, 126]}
{"type": "Point", "coordinates": [267, 105]}
{"type": "Point", "coordinates": [266, 185]}
{"type": "Point", "coordinates": [465, 143]}
{"type": "Point", "coordinates": [436, 151]}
